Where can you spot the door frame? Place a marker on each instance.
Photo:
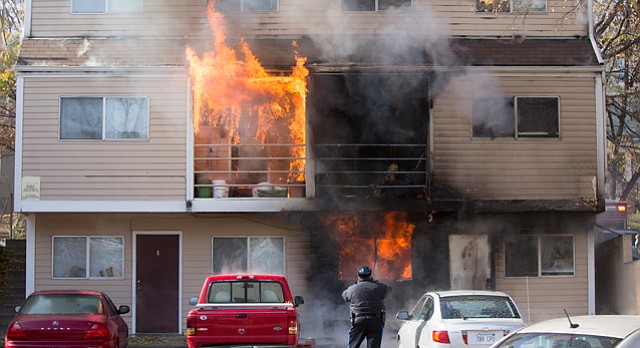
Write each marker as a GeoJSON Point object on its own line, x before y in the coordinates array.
{"type": "Point", "coordinates": [134, 276]}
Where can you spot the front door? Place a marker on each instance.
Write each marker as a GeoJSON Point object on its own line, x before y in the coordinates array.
{"type": "Point", "coordinates": [157, 283]}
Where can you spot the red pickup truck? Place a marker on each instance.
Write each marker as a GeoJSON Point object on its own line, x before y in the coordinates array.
{"type": "Point", "coordinates": [244, 309]}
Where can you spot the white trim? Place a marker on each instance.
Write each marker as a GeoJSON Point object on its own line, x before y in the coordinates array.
{"type": "Point", "coordinates": [26, 32]}
{"type": "Point", "coordinates": [30, 269]}
{"type": "Point", "coordinates": [592, 38]}
{"type": "Point", "coordinates": [17, 170]}
{"type": "Point", "coordinates": [601, 140]}
{"type": "Point", "coordinates": [101, 206]}
{"type": "Point", "coordinates": [79, 70]}
{"type": "Point", "coordinates": [134, 275]}
{"type": "Point", "coordinates": [190, 144]}
{"type": "Point", "coordinates": [591, 272]}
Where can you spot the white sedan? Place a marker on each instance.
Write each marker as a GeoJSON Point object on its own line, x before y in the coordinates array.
{"type": "Point", "coordinates": [464, 319]}
{"type": "Point", "coordinates": [589, 331]}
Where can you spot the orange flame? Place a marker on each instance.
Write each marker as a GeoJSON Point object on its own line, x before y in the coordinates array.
{"type": "Point", "coordinates": [230, 84]}
{"type": "Point", "coordinates": [385, 245]}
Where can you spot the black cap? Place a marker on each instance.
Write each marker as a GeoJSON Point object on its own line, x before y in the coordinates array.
{"type": "Point", "coordinates": [364, 272]}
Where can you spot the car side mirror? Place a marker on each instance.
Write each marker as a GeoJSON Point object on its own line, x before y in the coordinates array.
{"type": "Point", "coordinates": [403, 315]}
{"type": "Point", "coordinates": [298, 300]}
{"type": "Point", "coordinates": [193, 301]}
{"type": "Point", "coordinates": [123, 309]}
{"type": "Point", "coordinates": [17, 309]}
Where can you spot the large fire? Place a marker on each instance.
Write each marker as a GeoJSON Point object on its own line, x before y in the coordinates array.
{"type": "Point", "coordinates": [232, 90]}
{"type": "Point", "coordinates": [382, 241]}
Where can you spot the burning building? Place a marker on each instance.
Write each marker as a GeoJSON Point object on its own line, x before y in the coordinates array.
{"type": "Point", "coordinates": [448, 146]}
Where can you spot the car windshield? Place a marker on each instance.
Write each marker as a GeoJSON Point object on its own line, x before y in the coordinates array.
{"type": "Point", "coordinates": [465, 307]}
{"type": "Point", "coordinates": [246, 292]}
{"type": "Point", "coordinates": [62, 304]}
{"type": "Point", "coordinates": [554, 340]}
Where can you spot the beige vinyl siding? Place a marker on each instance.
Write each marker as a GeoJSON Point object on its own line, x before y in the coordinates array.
{"type": "Point", "coordinates": [153, 169]}
{"type": "Point", "coordinates": [542, 298]}
{"type": "Point", "coordinates": [542, 168]}
{"type": "Point", "coordinates": [197, 234]}
{"type": "Point", "coordinates": [53, 18]}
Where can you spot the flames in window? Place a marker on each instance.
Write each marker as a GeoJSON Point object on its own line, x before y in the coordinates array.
{"type": "Point", "coordinates": [379, 240]}
{"type": "Point", "coordinates": [234, 92]}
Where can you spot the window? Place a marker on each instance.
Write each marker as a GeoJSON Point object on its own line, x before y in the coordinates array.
{"type": "Point", "coordinates": [104, 6]}
{"type": "Point", "coordinates": [110, 118]}
{"type": "Point", "coordinates": [246, 292]}
{"type": "Point", "coordinates": [248, 254]}
{"type": "Point", "coordinates": [511, 5]}
{"type": "Point", "coordinates": [519, 117]}
{"type": "Point", "coordinates": [102, 256]}
{"type": "Point", "coordinates": [375, 5]}
{"type": "Point", "coordinates": [246, 5]}
{"type": "Point", "coordinates": [493, 118]}
{"type": "Point", "coordinates": [538, 116]}
{"type": "Point", "coordinates": [539, 255]}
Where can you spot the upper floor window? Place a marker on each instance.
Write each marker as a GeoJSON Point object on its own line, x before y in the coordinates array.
{"type": "Point", "coordinates": [104, 6]}
{"type": "Point", "coordinates": [519, 117]}
{"type": "Point", "coordinates": [539, 255]}
{"type": "Point", "coordinates": [375, 5]}
{"type": "Point", "coordinates": [88, 257]}
{"type": "Point", "coordinates": [104, 118]}
{"type": "Point", "coordinates": [246, 5]}
{"type": "Point", "coordinates": [511, 5]}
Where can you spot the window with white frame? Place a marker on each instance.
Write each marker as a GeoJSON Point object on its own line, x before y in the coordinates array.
{"type": "Point", "coordinates": [246, 5]}
{"type": "Point", "coordinates": [105, 6]}
{"type": "Point", "coordinates": [375, 5]}
{"type": "Point", "coordinates": [81, 257]}
{"type": "Point", "coordinates": [104, 118]}
{"type": "Point", "coordinates": [539, 255]}
{"type": "Point", "coordinates": [511, 5]}
{"type": "Point", "coordinates": [517, 117]}
{"type": "Point", "coordinates": [248, 254]}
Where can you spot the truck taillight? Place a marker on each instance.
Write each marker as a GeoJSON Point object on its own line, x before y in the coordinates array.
{"type": "Point", "coordinates": [191, 326]}
{"type": "Point", "coordinates": [441, 336]}
{"type": "Point", "coordinates": [293, 326]}
{"type": "Point", "coordinates": [16, 333]}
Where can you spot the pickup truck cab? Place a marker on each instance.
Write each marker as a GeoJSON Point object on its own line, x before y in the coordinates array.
{"type": "Point", "coordinates": [243, 309]}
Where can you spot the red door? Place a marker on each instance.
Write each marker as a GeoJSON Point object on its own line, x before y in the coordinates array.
{"type": "Point", "coordinates": [157, 273]}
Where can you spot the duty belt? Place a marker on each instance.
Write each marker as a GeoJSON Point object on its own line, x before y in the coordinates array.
{"type": "Point", "coordinates": [376, 315]}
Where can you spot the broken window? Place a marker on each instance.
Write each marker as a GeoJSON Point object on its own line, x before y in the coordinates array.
{"type": "Point", "coordinates": [493, 118]}
{"type": "Point", "coordinates": [539, 255]}
{"type": "Point", "coordinates": [103, 6]}
{"type": "Point", "coordinates": [520, 117]}
{"type": "Point", "coordinates": [248, 254]}
{"type": "Point", "coordinates": [102, 256]}
{"type": "Point", "coordinates": [511, 5]}
{"type": "Point", "coordinates": [246, 5]}
{"type": "Point", "coordinates": [124, 118]}
{"type": "Point", "coordinates": [375, 5]}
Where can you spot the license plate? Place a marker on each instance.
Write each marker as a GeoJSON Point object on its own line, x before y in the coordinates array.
{"type": "Point", "coordinates": [483, 338]}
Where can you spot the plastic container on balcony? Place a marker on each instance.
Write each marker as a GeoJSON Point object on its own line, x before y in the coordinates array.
{"type": "Point", "coordinates": [203, 191]}
{"type": "Point", "coordinates": [220, 189]}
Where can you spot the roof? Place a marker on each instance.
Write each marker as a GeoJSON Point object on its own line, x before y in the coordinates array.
{"type": "Point", "coordinates": [599, 325]}
{"type": "Point", "coordinates": [320, 51]}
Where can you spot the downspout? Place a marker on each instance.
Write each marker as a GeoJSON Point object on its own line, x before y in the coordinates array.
{"type": "Point", "coordinates": [26, 32]}
{"type": "Point", "coordinates": [600, 157]}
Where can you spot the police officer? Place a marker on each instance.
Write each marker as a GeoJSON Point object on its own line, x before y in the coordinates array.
{"type": "Point", "coordinates": [366, 302]}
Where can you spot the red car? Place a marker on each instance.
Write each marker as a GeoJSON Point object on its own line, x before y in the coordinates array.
{"type": "Point", "coordinates": [68, 318]}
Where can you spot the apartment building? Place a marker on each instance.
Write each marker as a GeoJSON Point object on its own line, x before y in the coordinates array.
{"type": "Point", "coordinates": [448, 144]}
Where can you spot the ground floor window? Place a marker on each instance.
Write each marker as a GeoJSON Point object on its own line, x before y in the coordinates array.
{"type": "Point", "coordinates": [248, 254]}
{"type": "Point", "coordinates": [539, 255]}
{"type": "Point", "coordinates": [103, 257]}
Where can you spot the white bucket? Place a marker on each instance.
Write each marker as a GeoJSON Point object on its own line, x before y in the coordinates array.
{"type": "Point", "coordinates": [220, 189]}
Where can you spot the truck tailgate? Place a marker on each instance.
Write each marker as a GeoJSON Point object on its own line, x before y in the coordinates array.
{"type": "Point", "coordinates": [244, 325]}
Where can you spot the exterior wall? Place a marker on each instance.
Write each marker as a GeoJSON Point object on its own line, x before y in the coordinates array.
{"type": "Point", "coordinates": [617, 281]}
{"type": "Point", "coordinates": [154, 169]}
{"type": "Point", "coordinates": [196, 234]}
{"type": "Point", "coordinates": [518, 169]}
{"type": "Point", "coordinates": [53, 18]}
{"type": "Point", "coordinates": [542, 298]}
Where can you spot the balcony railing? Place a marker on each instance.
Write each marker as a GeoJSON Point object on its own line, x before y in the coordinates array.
{"type": "Point", "coordinates": [339, 170]}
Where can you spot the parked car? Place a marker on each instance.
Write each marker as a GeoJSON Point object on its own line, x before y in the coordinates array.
{"type": "Point", "coordinates": [458, 319]}
{"type": "Point", "coordinates": [68, 318]}
{"type": "Point", "coordinates": [593, 331]}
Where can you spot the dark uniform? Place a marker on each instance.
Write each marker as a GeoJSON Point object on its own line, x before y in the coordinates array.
{"type": "Point", "coordinates": [366, 302]}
